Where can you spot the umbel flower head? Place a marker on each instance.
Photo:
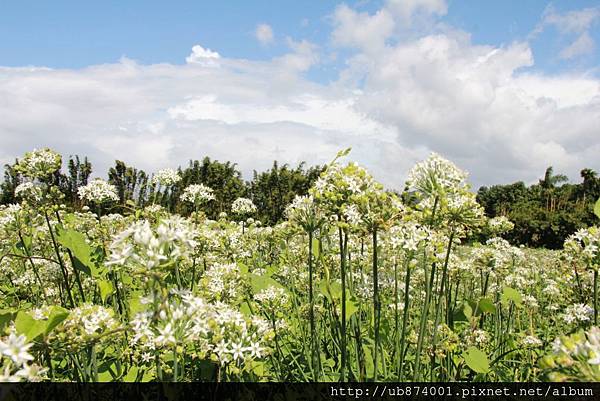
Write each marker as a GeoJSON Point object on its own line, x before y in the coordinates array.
{"type": "Point", "coordinates": [243, 207]}
{"type": "Point", "coordinates": [436, 176]}
{"type": "Point", "coordinates": [98, 191]}
{"type": "Point", "coordinates": [197, 193]}
{"type": "Point", "coordinates": [585, 244]}
{"type": "Point", "coordinates": [39, 163]}
{"type": "Point", "coordinates": [166, 177]}
{"type": "Point", "coordinates": [304, 212]}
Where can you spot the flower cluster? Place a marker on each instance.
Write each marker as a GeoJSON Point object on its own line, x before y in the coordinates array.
{"type": "Point", "coordinates": [436, 176]}
{"type": "Point", "coordinates": [39, 163]}
{"type": "Point", "coordinates": [500, 225]}
{"type": "Point", "coordinates": [212, 331]}
{"type": "Point", "coordinates": [166, 177]}
{"type": "Point", "coordinates": [575, 357]}
{"type": "Point", "coordinates": [29, 191]}
{"type": "Point", "coordinates": [197, 194]}
{"type": "Point", "coordinates": [243, 207]}
{"type": "Point", "coordinates": [142, 247]}
{"type": "Point", "coordinates": [578, 313]}
{"type": "Point", "coordinates": [85, 325]}
{"type": "Point", "coordinates": [585, 244]}
{"type": "Point", "coordinates": [98, 191]}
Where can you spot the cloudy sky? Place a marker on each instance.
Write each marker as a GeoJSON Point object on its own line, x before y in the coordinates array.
{"type": "Point", "coordinates": [504, 89]}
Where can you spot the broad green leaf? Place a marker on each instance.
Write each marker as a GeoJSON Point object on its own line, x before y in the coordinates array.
{"type": "Point", "coordinates": [462, 313]}
{"type": "Point", "coordinates": [485, 305]}
{"type": "Point", "coordinates": [476, 360]}
{"type": "Point", "coordinates": [510, 294]}
{"type": "Point", "coordinates": [83, 254]}
{"type": "Point", "coordinates": [106, 289]}
{"type": "Point", "coordinates": [56, 316]}
{"type": "Point", "coordinates": [28, 326]}
{"type": "Point", "coordinates": [260, 283]}
{"type": "Point", "coordinates": [597, 208]}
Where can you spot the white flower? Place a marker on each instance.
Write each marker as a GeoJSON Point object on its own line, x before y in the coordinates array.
{"type": "Point", "coordinates": [242, 206]}
{"type": "Point", "coordinates": [166, 177]}
{"type": "Point", "coordinates": [15, 347]}
{"type": "Point", "coordinates": [197, 193]}
{"type": "Point", "coordinates": [98, 191]}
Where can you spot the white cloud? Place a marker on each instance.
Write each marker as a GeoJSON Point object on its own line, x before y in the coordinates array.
{"type": "Point", "coordinates": [584, 44]}
{"type": "Point", "coordinates": [203, 56]}
{"type": "Point", "coordinates": [264, 34]}
{"type": "Point", "coordinates": [576, 22]}
{"type": "Point", "coordinates": [394, 103]}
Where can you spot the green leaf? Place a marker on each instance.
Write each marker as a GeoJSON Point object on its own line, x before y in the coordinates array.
{"type": "Point", "coordinates": [316, 249]}
{"type": "Point", "coordinates": [106, 289]}
{"type": "Point", "coordinates": [510, 294]}
{"type": "Point", "coordinates": [485, 305]}
{"type": "Point", "coordinates": [6, 316]}
{"type": "Point", "coordinates": [597, 208]}
{"type": "Point", "coordinates": [56, 317]}
{"type": "Point", "coordinates": [260, 283]}
{"type": "Point", "coordinates": [351, 305]}
{"type": "Point", "coordinates": [83, 254]}
{"type": "Point", "coordinates": [28, 326]}
{"type": "Point", "coordinates": [476, 360]}
{"type": "Point", "coordinates": [463, 312]}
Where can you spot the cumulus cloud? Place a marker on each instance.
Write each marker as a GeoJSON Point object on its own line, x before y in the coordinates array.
{"type": "Point", "coordinates": [264, 34]}
{"type": "Point", "coordinates": [200, 55]}
{"type": "Point", "coordinates": [394, 102]}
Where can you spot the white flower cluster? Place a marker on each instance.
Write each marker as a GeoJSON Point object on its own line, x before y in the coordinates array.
{"type": "Point", "coordinates": [578, 313]}
{"type": "Point", "coordinates": [531, 341]}
{"type": "Point", "coordinates": [408, 236]}
{"type": "Point", "coordinates": [143, 247]}
{"type": "Point", "coordinates": [39, 163]}
{"type": "Point", "coordinates": [98, 191]}
{"type": "Point", "coordinates": [243, 206]}
{"type": "Point", "coordinates": [304, 211]}
{"type": "Point", "coordinates": [436, 175]}
{"type": "Point", "coordinates": [9, 214]}
{"type": "Point", "coordinates": [585, 243]}
{"type": "Point", "coordinates": [166, 177]}
{"type": "Point", "coordinates": [85, 324]}
{"type": "Point", "coordinates": [214, 330]}
{"type": "Point", "coordinates": [28, 191]}
{"type": "Point", "coordinates": [582, 345]}
{"type": "Point", "coordinates": [197, 193]}
{"type": "Point", "coordinates": [221, 282]}
{"type": "Point", "coordinates": [272, 296]}
{"type": "Point", "coordinates": [15, 358]}
{"type": "Point", "coordinates": [499, 225]}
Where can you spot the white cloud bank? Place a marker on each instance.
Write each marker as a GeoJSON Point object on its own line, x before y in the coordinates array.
{"type": "Point", "coordinates": [393, 104]}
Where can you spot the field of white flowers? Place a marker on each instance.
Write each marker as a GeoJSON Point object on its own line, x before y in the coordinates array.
{"type": "Point", "coordinates": [356, 285]}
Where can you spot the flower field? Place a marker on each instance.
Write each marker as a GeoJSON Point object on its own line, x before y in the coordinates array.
{"type": "Point", "coordinates": [356, 284]}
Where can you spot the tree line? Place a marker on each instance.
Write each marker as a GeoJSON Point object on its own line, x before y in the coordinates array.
{"type": "Point", "coordinates": [271, 191]}
{"type": "Point", "coordinates": [544, 213]}
{"type": "Point", "coordinates": [547, 212]}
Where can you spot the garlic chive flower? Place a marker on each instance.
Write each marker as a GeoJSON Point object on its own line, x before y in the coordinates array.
{"type": "Point", "coordinates": [166, 177]}
{"type": "Point", "coordinates": [243, 206]}
{"type": "Point", "coordinates": [98, 191]}
{"type": "Point", "coordinates": [197, 194]}
{"type": "Point", "coordinates": [39, 163]}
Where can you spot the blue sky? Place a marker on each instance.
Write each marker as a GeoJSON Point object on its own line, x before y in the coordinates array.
{"type": "Point", "coordinates": [72, 34]}
{"type": "Point", "coordinates": [502, 88]}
